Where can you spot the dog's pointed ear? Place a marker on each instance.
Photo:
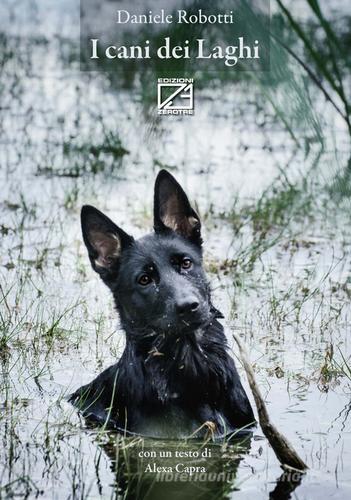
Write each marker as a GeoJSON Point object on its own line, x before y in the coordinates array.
{"type": "Point", "coordinates": [104, 240]}
{"type": "Point", "coordinates": [172, 209]}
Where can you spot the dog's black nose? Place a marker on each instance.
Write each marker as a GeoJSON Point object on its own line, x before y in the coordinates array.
{"type": "Point", "coordinates": [187, 306]}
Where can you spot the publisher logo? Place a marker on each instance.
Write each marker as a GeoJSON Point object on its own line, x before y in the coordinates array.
{"type": "Point", "coordinates": [175, 96]}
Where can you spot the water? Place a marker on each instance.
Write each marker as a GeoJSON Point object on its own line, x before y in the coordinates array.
{"type": "Point", "coordinates": [58, 326]}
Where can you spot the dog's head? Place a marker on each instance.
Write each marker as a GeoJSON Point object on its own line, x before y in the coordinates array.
{"type": "Point", "coordinates": [157, 281]}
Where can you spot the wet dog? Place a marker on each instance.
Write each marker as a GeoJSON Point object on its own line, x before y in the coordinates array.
{"type": "Point", "coordinates": [175, 377]}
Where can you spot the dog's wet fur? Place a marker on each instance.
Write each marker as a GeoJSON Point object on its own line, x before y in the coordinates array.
{"type": "Point", "coordinates": [175, 377]}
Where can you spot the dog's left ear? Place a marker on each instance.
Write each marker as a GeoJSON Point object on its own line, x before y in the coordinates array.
{"type": "Point", "coordinates": [172, 209]}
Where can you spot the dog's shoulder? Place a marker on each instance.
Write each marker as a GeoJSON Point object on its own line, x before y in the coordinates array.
{"type": "Point", "coordinates": [93, 399]}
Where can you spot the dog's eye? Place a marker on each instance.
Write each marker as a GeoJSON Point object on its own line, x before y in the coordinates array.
{"type": "Point", "coordinates": [186, 263]}
{"type": "Point", "coordinates": [144, 279]}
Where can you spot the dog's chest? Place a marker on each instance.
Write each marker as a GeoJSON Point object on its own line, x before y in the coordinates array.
{"type": "Point", "coordinates": [188, 375]}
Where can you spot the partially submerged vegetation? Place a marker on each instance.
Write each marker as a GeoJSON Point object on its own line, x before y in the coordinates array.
{"type": "Point", "coordinates": [89, 158]}
{"type": "Point", "coordinates": [273, 179]}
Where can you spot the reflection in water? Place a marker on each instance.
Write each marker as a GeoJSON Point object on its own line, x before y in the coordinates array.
{"type": "Point", "coordinates": [159, 470]}
{"type": "Point", "coordinates": [286, 485]}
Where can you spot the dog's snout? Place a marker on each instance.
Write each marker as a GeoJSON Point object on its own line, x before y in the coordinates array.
{"type": "Point", "coordinates": [187, 306]}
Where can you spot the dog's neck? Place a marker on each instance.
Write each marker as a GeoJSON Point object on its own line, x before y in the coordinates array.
{"type": "Point", "coordinates": [177, 363]}
{"type": "Point", "coordinates": [149, 342]}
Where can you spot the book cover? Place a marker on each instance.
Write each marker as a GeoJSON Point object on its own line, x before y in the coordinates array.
{"type": "Point", "coordinates": [175, 249]}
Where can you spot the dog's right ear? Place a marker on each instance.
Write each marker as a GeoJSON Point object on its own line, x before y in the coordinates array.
{"type": "Point", "coordinates": [104, 240]}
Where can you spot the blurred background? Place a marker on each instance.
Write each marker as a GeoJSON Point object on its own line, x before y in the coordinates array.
{"type": "Point", "coordinates": [266, 158]}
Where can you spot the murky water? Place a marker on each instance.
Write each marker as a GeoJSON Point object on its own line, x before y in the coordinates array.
{"type": "Point", "coordinates": [290, 302]}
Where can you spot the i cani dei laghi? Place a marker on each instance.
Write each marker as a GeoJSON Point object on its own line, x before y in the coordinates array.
{"type": "Point", "coordinates": [229, 53]}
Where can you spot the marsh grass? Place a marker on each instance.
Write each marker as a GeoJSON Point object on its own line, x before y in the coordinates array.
{"type": "Point", "coordinates": [277, 207]}
{"type": "Point", "coordinates": [278, 264]}
{"type": "Point", "coordinates": [88, 158]}
{"type": "Point", "coordinates": [343, 364]}
{"type": "Point", "coordinates": [328, 58]}
{"type": "Point", "coordinates": [30, 327]}
{"type": "Point", "coordinates": [111, 145]}
{"type": "Point", "coordinates": [270, 220]}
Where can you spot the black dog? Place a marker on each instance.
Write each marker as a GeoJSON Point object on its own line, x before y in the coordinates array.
{"type": "Point", "coordinates": [175, 374]}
